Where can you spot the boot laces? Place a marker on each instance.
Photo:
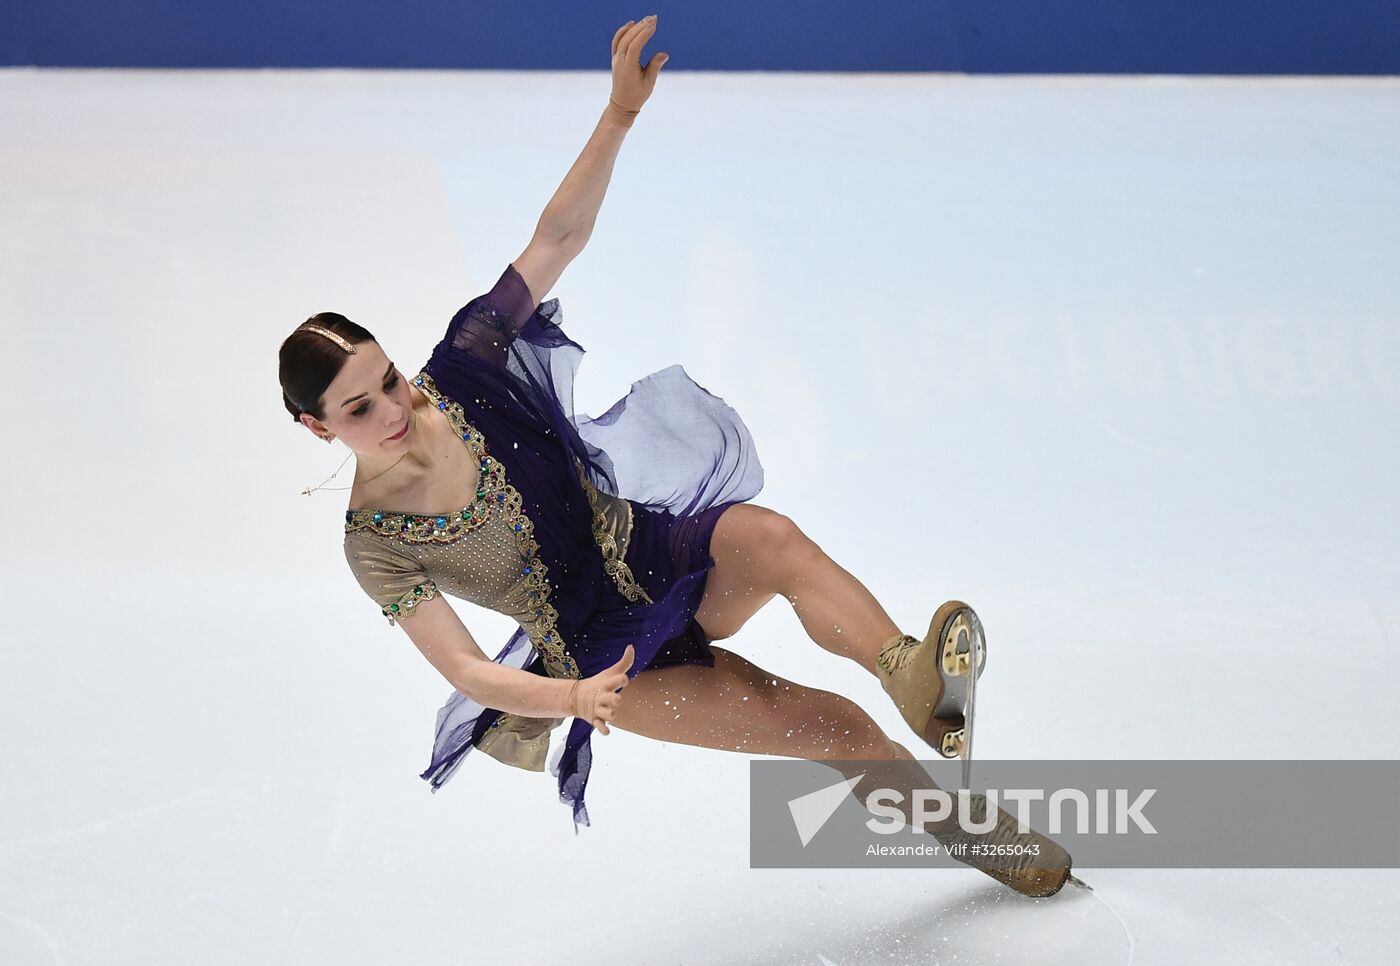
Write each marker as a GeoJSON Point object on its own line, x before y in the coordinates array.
{"type": "Point", "coordinates": [898, 652]}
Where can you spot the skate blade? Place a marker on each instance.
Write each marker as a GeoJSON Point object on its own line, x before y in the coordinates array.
{"type": "Point", "coordinates": [969, 713]}
{"type": "Point", "coordinates": [1075, 880]}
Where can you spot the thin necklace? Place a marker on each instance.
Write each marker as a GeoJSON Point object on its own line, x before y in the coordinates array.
{"type": "Point", "coordinates": [311, 489]}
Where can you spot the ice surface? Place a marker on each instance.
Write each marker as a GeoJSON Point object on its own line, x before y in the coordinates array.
{"type": "Point", "coordinates": [1131, 342]}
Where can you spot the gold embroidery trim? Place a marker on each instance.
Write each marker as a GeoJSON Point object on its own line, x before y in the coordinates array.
{"type": "Point", "coordinates": [612, 563]}
{"type": "Point", "coordinates": [497, 493]}
{"type": "Point", "coordinates": [443, 528]}
{"type": "Point", "coordinates": [408, 603]}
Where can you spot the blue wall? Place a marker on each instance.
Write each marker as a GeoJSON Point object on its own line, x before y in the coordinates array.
{"type": "Point", "coordinates": [975, 36]}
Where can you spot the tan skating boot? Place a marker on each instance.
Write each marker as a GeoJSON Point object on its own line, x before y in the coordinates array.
{"type": "Point", "coordinates": [931, 680]}
{"type": "Point", "coordinates": [1027, 862]}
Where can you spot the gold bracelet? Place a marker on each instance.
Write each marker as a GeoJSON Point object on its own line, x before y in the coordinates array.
{"type": "Point", "coordinates": [573, 712]}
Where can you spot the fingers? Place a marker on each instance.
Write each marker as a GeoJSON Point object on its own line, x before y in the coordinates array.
{"type": "Point", "coordinates": [617, 37]}
{"type": "Point", "coordinates": [602, 693]}
{"type": "Point", "coordinates": [605, 708]}
{"type": "Point", "coordinates": [619, 44]}
{"type": "Point", "coordinates": [617, 678]}
{"type": "Point", "coordinates": [655, 63]}
{"type": "Point", "coordinates": [635, 38]}
{"type": "Point", "coordinates": [607, 704]}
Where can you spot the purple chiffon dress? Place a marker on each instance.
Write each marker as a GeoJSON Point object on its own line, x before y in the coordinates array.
{"type": "Point", "coordinates": [678, 455]}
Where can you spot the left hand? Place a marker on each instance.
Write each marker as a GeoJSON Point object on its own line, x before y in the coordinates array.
{"type": "Point", "coordinates": [631, 82]}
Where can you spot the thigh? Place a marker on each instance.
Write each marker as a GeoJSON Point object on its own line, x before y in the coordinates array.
{"type": "Point", "coordinates": [738, 706]}
{"type": "Point", "coordinates": [755, 549]}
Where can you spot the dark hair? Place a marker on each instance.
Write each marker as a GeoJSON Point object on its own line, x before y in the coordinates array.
{"type": "Point", "coordinates": [308, 362]}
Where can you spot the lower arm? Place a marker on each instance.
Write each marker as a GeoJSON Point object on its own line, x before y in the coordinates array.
{"type": "Point", "coordinates": [515, 691]}
{"type": "Point", "coordinates": [574, 207]}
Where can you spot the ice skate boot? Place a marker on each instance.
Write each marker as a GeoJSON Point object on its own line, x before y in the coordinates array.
{"type": "Point", "coordinates": [1028, 862]}
{"type": "Point", "coordinates": [931, 681]}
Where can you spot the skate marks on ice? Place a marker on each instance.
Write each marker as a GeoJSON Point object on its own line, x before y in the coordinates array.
{"type": "Point", "coordinates": [991, 924]}
{"type": "Point", "coordinates": [968, 925]}
{"type": "Point", "coordinates": [25, 941]}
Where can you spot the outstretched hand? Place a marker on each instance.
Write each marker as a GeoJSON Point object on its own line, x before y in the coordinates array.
{"type": "Point", "coordinates": [631, 82]}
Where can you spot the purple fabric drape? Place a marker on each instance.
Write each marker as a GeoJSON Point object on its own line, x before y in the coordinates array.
{"type": "Point", "coordinates": [678, 452]}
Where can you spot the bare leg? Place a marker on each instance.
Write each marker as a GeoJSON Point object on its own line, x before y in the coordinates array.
{"type": "Point", "coordinates": [760, 553]}
{"type": "Point", "coordinates": [738, 706]}
{"type": "Point", "coordinates": [837, 610]}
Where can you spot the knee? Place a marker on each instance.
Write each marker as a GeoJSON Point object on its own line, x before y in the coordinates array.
{"type": "Point", "coordinates": [855, 733]}
{"type": "Point", "coordinates": [785, 540]}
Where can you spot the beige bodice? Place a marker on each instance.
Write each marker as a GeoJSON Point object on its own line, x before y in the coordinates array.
{"type": "Point", "coordinates": [486, 554]}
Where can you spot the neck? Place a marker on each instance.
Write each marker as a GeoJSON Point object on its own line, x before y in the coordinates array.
{"type": "Point", "coordinates": [371, 470]}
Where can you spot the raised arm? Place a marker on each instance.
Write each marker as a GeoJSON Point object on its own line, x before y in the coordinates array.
{"type": "Point", "coordinates": [567, 221]}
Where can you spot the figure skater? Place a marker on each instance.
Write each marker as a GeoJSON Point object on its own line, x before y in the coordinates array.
{"type": "Point", "coordinates": [623, 546]}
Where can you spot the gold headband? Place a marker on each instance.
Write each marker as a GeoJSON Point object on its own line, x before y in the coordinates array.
{"type": "Point", "coordinates": [338, 340]}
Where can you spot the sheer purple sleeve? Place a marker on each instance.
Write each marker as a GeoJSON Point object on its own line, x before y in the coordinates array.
{"type": "Point", "coordinates": [487, 325]}
{"type": "Point", "coordinates": [520, 364]}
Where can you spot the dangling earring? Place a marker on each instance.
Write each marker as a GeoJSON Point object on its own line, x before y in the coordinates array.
{"type": "Point", "coordinates": [328, 438]}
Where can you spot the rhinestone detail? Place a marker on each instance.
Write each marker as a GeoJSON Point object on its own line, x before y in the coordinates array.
{"type": "Point", "coordinates": [494, 495]}
{"type": "Point", "coordinates": [406, 604]}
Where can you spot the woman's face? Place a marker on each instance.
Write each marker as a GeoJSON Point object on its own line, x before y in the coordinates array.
{"type": "Point", "coordinates": [367, 404]}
